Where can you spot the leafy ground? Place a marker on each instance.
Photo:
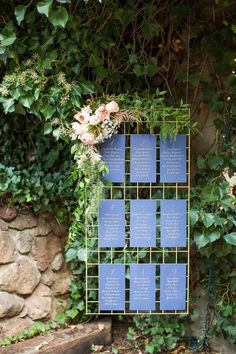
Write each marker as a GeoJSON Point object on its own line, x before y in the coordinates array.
{"type": "Point", "coordinates": [121, 345]}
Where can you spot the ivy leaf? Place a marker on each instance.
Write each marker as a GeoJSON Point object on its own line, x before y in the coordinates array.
{"type": "Point", "coordinates": [201, 240]}
{"type": "Point", "coordinates": [193, 216]}
{"type": "Point", "coordinates": [8, 105]}
{"type": "Point", "coordinates": [20, 13]}
{"type": "Point", "coordinates": [7, 36]}
{"type": "Point", "coordinates": [226, 202]}
{"type": "Point", "coordinates": [47, 128]}
{"type": "Point", "coordinates": [71, 254]}
{"type": "Point", "coordinates": [47, 111]}
{"type": "Point", "coordinates": [213, 236]}
{"type": "Point", "coordinates": [208, 220]}
{"type": "Point", "coordinates": [230, 238]}
{"type": "Point", "coordinates": [82, 254]}
{"type": "Point", "coordinates": [43, 7]}
{"type": "Point", "coordinates": [59, 18]}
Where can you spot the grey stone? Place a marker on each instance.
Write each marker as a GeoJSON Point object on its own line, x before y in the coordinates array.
{"type": "Point", "coordinates": [10, 304]}
{"type": "Point", "coordinates": [23, 221]}
{"type": "Point", "coordinates": [43, 227]}
{"type": "Point", "coordinates": [14, 326]}
{"type": "Point", "coordinates": [39, 304]}
{"type": "Point", "coordinates": [7, 248]}
{"type": "Point", "coordinates": [57, 262]}
{"type": "Point", "coordinates": [23, 240]}
{"type": "Point", "coordinates": [20, 277]}
{"type": "Point", "coordinates": [48, 277]}
{"type": "Point", "coordinates": [7, 214]}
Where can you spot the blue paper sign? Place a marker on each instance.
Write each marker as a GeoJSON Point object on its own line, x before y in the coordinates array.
{"type": "Point", "coordinates": [111, 287]}
{"type": "Point", "coordinates": [111, 223]}
{"type": "Point", "coordinates": [173, 223]}
{"type": "Point", "coordinates": [173, 160]}
{"type": "Point", "coordinates": [113, 153]}
{"type": "Point", "coordinates": [142, 223]}
{"type": "Point", "coordinates": [142, 158]}
{"type": "Point", "coordinates": [173, 287]}
{"type": "Point", "coordinates": [142, 286]}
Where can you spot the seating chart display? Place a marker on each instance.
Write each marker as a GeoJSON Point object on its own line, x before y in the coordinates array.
{"type": "Point", "coordinates": [137, 244]}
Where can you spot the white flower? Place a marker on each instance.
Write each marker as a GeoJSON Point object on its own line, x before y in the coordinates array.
{"type": "Point", "coordinates": [112, 107]}
{"type": "Point", "coordinates": [79, 128]}
{"type": "Point", "coordinates": [82, 160]}
{"type": "Point", "coordinates": [102, 112]}
{"type": "Point", "coordinates": [95, 157]}
{"type": "Point", "coordinates": [84, 115]}
{"type": "Point", "coordinates": [94, 119]}
{"type": "Point", "coordinates": [87, 138]}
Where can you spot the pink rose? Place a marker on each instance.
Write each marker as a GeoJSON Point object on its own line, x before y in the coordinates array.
{"type": "Point", "coordinates": [102, 112]}
{"type": "Point", "coordinates": [82, 117]}
{"type": "Point", "coordinates": [112, 107]}
{"type": "Point", "coordinates": [87, 138]}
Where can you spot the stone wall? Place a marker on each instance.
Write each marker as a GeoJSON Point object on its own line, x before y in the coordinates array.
{"type": "Point", "coordinates": [33, 272]}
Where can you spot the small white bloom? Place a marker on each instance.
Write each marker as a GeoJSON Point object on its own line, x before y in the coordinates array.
{"type": "Point", "coordinates": [87, 138]}
{"type": "Point", "coordinates": [112, 107]}
{"type": "Point", "coordinates": [94, 119]}
{"type": "Point", "coordinates": [79, 128]}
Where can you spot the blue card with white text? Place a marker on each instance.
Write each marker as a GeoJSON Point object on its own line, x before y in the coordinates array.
{"type": "Point", "coordinates": [142, 223]}
{"type": "Point", "coordinates": [111, 223]}
{"type": "Point", "coordinates": [143, 158]}
{"type": "Point", "coordinates": [173, 287]}
{"type": "Point", "coordinates": [111, 287]}
{"type": "Point", "coordinates": [173, 223]}
{"type": "Point", "coordinates": [113, 153]}
{"type": "Point", "coordinates": [142, 287]}
{"type": "Point", "coordinates": [173, 166]}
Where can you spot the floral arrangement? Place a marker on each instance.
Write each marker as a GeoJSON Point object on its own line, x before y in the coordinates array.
{"type": "Point", "coordinates": [92, 127]}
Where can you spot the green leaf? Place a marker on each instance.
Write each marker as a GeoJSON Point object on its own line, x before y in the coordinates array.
{"type": "Point", "coordinates": [208, 219]}
{"type": "Point", "coordinates": [231, 238]}
{"type": "Point", "coordinates": [47, 128]}
{"type": "Point", "coordinates": [213, 236]}
{"type": "Point", "coordinates": [27, 101]}
{"type": "Point", "coordinates": [201, 163]}
{"type": "Point", "coordinates": [59, 18]}
{"type": "Point", "coordinates": [82, 254]}
{"type": "Point", "coordinates": [227, 202]}
{"type": "Point", "coordinates": [20, 13]}
{"type": "Point", "coordinates": [150, 30]}
{"type": "Point", "coordinates": [43, 7]}
{"type": "Point", "coordinates": [193, 217]}
{"type": "Point", "coordinates": [71, 254]}
{"type": "Point", "coordinates": [215, 161]}
{"type": "Point", "coordinates": [47, 111]}
{"type": "Point", "coordinates": [7, 36]}
{"type": "Point", "coordinates": [8, 105]}
{"type": "Point", "coordinates": [201, 240]}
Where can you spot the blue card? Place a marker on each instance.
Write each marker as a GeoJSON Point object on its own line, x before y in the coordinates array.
{"type": "Point", "coordinates": [142, 223]}
{"type": "Point", "coordinates": [173, 160]}
{"type": "Point", "coordinates": [173, 287]}
{"type": "Point", "coordinates": [173, 223]}
{"type": "Point", "coordinates": [142, 287]}
{"type": "Point", "coordinates": [113, 153]}
{"type": "Point", "coordinates": [111, 223]}
{"type": "Point", "coordinates": [142, 158]}
{"type": "Point", "coordinates": [111, 287]}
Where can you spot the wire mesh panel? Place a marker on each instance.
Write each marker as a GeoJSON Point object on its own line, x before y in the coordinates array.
{"type": "Point", "coordinates": [127, 255]}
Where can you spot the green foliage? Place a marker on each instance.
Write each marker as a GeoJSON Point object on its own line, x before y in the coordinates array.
{"type": "Point", "coordinates": [159, 333]}
{"type": "Point", "coordinates": [213, 224]}
{"type": "Point", "coordinates": [37, 329]}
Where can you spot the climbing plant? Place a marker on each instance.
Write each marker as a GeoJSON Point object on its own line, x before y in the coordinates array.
{"type": "Point", "coordinates": [58, 55]}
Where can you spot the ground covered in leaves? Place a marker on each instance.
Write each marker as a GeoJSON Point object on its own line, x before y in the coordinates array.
{"type": "Point", "coordinates": [121, 345]}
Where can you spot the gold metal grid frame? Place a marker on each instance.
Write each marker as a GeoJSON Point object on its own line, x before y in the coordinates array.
{"type": "Point", "coordinates": [156, 255]}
